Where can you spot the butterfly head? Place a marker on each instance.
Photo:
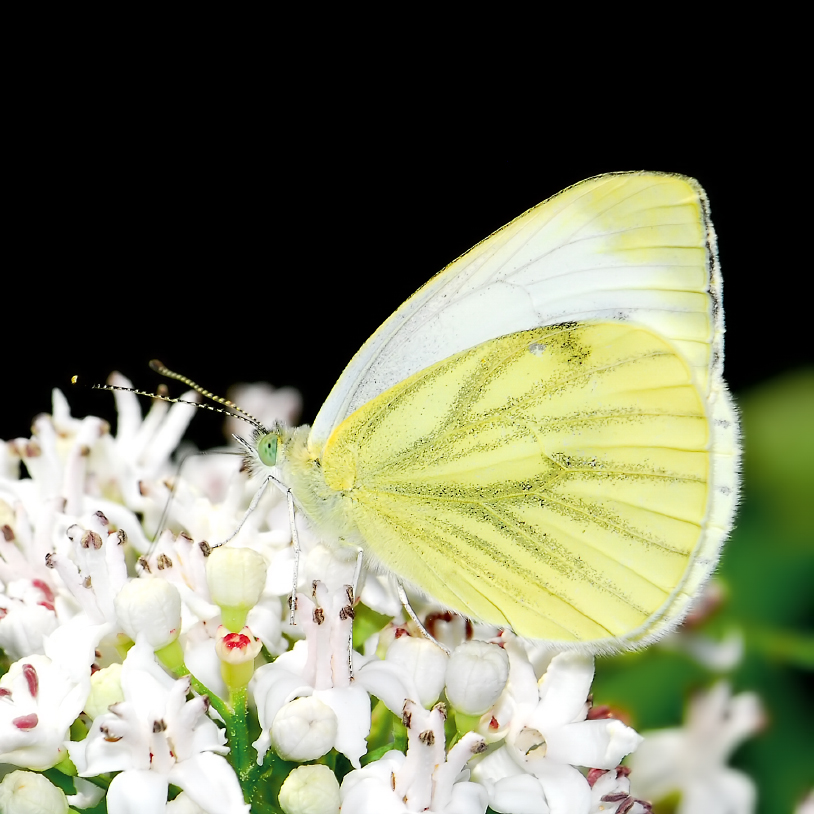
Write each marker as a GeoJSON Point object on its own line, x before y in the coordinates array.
{"type": "Point", "coordinates": [263, 452]}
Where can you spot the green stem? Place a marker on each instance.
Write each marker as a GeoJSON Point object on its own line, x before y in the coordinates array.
{"type": "Point", "coordinates": [218, 704]}
{"type": "Point", "coordinates": [238, 732]}
{"type": "Point", "coordinates": [244, 757]}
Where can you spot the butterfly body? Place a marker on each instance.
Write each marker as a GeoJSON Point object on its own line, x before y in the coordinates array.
{"type": "Point", "coordinates": [541, 438]}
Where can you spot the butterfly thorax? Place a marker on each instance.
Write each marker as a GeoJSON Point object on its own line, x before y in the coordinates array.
{"type": "Point", "coordinates": [299, 467]}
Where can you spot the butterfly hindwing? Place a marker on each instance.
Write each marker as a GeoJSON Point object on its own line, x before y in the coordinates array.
{"type": "Point", "coordinates": [552, 480]}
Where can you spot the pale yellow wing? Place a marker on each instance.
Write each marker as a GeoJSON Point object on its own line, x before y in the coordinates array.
{"type": "Point", "coordinates": [554, 480]}
{"type": "Point", "coordinates": [609, 552]}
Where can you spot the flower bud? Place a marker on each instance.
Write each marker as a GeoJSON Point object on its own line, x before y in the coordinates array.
{"type": "Point", "coordinates": [304, 729]}
{"type": "Point", "coordinates": [236, 577]}
{"type": "Point", "coordinates": [476, 675]}
{"type": "Point", "coordinates": [105, 689]}
{"type": "Point", "coordinates": [310, 790]}
{"type": "Point", "coordinates": [151, 607]}
{"type": "Point", "coordinates": [424, 662]}
{"type": "Point", "coordinates": [236, 652]}
{"type": "Point", "coordinates": [29, 793]}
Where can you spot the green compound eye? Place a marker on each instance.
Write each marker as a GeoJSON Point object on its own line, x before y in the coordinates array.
{"type": "Point", "coordinates": [267, 449]}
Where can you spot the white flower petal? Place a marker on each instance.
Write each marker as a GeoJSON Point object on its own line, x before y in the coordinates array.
{"type": "Point", "coordinates": [183, 804]}
{"type": "Point", "coordinates": [450, 775]}
{"type": "Point", "coordinates": [351, 705]}
{"type": "Point", "coordinates": [87, 794]}
{"type": "Point", "coordinates": [383, 680]}
{"type": "Point", "coordinates": [24, 626]}
{"type": "Point", "coordinates": [371, 796]}
{"type": "Point", "coordinates": [467, 798]}
{"type": "Point", "coordinates": [211, 783]}
{"type": "Point", "coordinates": [597, 744]}
{"type": "Point", "coordinates": [494, 767]}
{"type": "Point", "coordinates": [380, 770]}
{"type": "Point", "coordinates": [566, 789]}
{"type": "Point", "coordinates": [691, 761]}
{"type": "Point", "coordinates": [203, 662]}
{"type": "Point", "coordinates": [654, 773]}
{"type": "Point", "coordinates": [520, 794]}
{"type": "Point", "coordinates": [273, 687]}
{"type": "Point", "coordinates": [563, 691]}
{"type": "Point", "coordinates": [264, 620]}
{"type": "Point", "coordinates": [137, 792]}
{"type": "Point", "coordinates": [726, 792]}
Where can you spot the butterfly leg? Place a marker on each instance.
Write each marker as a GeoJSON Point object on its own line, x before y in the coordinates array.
{"type": "Point", "coordinates": [252, 506]}
{"type": "Point", "coordinates": [352, 593]}
{"type": "Point", "coordinates": [295, 540]}
{"type": "Point", "coordinates": [412, 614]}
{"type": "Point", "coordinates": [357, 571]}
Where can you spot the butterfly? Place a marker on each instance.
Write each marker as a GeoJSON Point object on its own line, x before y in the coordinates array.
{"type": "Point", "coordinates": [540, 438]}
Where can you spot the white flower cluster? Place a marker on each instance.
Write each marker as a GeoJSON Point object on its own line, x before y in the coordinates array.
{"type": "Point", "coordinates": [136, 670]}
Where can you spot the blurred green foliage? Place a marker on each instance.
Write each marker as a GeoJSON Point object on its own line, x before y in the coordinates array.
{"type": "Point", "coordinates": [767, 572]}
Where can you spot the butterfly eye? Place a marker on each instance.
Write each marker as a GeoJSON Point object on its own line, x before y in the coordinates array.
{"type": "Point", "coordinates": [267, 449]}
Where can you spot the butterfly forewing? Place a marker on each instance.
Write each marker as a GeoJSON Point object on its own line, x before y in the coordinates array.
{"type": "Point", "coordinates": [634, 247]}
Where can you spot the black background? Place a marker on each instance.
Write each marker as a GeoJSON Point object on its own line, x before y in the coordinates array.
{"type": "Point", "coordinates": [238, 236]}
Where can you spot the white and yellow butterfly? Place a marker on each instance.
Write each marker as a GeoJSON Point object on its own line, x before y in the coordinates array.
{"type": "Point", "coordinates": [540, 437]}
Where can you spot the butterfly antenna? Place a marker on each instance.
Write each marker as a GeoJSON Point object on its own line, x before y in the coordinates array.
{"type": "Point", "coordinates": [238, 413]}
{"type": "Point", "coordinates": [159, 368]}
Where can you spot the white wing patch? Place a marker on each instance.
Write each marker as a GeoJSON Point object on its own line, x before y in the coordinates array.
{"type": "Point", "coordinates": [635, 247]}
